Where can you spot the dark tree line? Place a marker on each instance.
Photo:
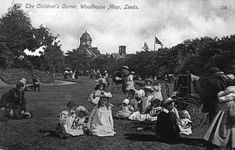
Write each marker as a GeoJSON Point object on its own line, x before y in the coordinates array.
{"type": "Point", "coordinates": [191, 55]}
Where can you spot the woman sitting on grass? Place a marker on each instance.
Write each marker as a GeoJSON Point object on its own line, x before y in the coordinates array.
{"type": "Point", "coordinates": [151, 113]}
{"type": "Point", "coordinates": [100, 120]}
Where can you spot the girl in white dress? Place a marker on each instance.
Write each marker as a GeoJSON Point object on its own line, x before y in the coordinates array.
{"type": "Point", "coordinates": [100, 120]}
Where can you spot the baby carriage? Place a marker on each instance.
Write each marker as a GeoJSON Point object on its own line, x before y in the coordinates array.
{"type": "Point", "coordinates": [187, 93]}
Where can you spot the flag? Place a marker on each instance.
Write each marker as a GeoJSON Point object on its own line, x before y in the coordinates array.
{"type": "Point", "coordinates": [146, 48]}
{"type": "Point", "coordinates": [157, 41]}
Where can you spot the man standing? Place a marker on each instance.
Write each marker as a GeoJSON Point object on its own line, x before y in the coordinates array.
{"type": "Point", "coordinates": [125, 73]}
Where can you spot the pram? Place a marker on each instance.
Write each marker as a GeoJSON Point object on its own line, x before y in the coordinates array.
{"type": "Point", "coordinates": [187, 93]}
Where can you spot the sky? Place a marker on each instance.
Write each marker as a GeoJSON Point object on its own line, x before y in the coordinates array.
{"type": "Point", "coordinates": [172, 21]}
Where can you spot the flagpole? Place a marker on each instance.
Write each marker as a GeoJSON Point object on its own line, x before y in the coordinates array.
{"type": "Point", "coordinates": [154, 44]}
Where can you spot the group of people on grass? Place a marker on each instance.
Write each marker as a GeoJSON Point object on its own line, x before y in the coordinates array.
{"type": "Point", "coordinates": [144, 104]}
{"type": "Point", "coordinates": [147, 103]}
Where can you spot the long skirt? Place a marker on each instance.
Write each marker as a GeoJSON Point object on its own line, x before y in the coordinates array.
{"type": "Point", "coordinates": [221, 131]}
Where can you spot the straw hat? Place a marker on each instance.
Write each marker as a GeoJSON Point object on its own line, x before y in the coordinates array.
{"type": "Point", "coordinates": [126, 101]}
{"type": "Point", "coordinates": [125, 67]}
{"type": "Point", "coordinates": [148, 79]}
{"type": "Point", "coordinates": [167, 101]}
{"type": "Point", "coordinates": [148, 88]}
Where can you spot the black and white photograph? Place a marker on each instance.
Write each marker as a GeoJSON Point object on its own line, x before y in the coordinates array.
{"type": "Point", "coordinates": [117, 75]}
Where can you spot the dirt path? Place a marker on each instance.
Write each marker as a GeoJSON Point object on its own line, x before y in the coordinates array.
{"type": "Point", "coordinates": [57, 82]}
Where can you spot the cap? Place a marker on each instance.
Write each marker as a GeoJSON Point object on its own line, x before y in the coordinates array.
{"type": "Point", "coordinates": [131, 91]}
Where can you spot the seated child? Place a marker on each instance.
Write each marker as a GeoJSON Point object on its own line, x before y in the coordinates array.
{"type": "Point", "coordinates": [98, 91]}
{"type": "Point", "coordinates": [100, 120]}
{"type": "Point", "coordinates": [132, 101]}
{"type": "Point", "coordinates": [185, 123]}
{"type": "Point", "coordinates": [167, 123]}
{"type": "Point", "coordinates": [151, 113]}
{"type": "Point", "coordinates": [147, 99]}
{"type": "Point", "coordinates": [125, 110]}
{"type": "Point", "coordinates": [72, 121]}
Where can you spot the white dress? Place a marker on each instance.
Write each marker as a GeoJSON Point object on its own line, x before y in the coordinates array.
{"type": "Point", "coordinates": [68, 123]}
{"type": "Point", "coordinates": [101, 122]}
{"type": "Point", "coordinates": [157, 92]}
{"type": "Point", "coordinates": [130, 83]}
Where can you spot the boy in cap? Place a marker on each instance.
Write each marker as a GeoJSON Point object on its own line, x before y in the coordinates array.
{"type": "Point", "coordinates": [14, 102]}
{"type": "Point", "coordinates": [167, 123]}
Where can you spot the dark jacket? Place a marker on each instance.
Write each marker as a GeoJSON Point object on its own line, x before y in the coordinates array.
{"type": "Point", "coordinates": [167, 126]}
{"type": "Point", "coordinates": [13, 98]}
{"type": "Point", "coordinates": [210, 86]}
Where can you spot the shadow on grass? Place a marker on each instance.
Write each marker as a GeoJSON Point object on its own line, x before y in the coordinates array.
{"type": "Point", "coordinates": [152, 138]}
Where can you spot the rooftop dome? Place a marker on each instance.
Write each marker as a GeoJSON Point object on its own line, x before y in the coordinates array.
{"type": "Point", "coordinates": [86, 37]}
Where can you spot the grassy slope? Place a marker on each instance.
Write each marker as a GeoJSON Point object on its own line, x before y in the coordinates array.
{"type": "Point", "coordinates": [47, 104]}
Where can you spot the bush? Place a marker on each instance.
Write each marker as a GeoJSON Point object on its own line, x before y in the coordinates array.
{"type": "Point", "coordinates": [12, 76]}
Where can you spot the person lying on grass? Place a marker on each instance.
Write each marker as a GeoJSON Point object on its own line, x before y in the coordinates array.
{"type": "Point", "coordinates": [100, 120]}
{"type": "Point", "coordinates": [72, 121]}
{"type": "Point", "coordinates": [13, 103]}
{"type": "Point", "coordinates": [125, 110]}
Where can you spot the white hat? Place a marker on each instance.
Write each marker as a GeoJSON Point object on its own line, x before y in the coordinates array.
{"type": "Point", "coordinates": [139, 93]}
{"type": "Point", "coordinates": [125, 67]}
{"type": "Point", "coordinates": [23, 80]}
{"type": "Point", "coordinates": [132, 72]}
{"type": "Point", "coordinates": [104, 94]}
{"type": "Point", "coordinates": [149, 88]}
{"type": "Point", "coordinates": [126, 101]}
{"type": "Point", "coordinates": [231, 76]}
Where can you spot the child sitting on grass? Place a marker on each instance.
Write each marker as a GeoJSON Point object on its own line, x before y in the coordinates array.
{"type": "Point", "coordinates": [72, 121]}
{"type": "Point", "coordinates": [151, 113]}
{"type": "Point", "coordinates": [100, 120]}
{"type": "Point", "coordinates": [126, 110]}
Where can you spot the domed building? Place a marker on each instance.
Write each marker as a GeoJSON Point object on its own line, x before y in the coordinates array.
{"type": "Point", "coordinates": [85, 47]}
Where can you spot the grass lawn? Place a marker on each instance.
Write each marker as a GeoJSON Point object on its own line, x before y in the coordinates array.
{"type": "Point", "coordinates": [51, 100]}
